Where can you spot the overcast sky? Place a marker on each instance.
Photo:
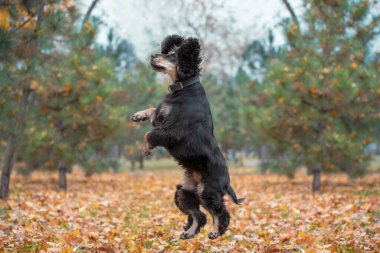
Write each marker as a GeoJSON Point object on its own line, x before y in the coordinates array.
{"type": "Point", "coordinates": [133, 21]}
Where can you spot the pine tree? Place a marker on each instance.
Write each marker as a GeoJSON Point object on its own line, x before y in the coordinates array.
{"type": "Point", "coordinates": [323, 91]}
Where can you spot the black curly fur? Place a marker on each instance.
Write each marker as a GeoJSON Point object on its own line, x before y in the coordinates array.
{"type": "Point", "coordinates": [188, 59]}
{"type": "Point", "coordinates": [214, 203]}
{"type": "Point", "coordinates": [170, 42]}
{"type": "Point", "coordinates": [224, 221]}
{"type": "Point", "coordinates": [187, 202]}
{"type": "Point", "coordinates": [187, 132]}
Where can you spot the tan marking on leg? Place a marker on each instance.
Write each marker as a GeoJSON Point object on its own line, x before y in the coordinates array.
{"type": "Point", "coordinates": [147, 150]}
{"type": "Point", "coordinates": [215, 221]}
{"type": "Point", "coordinates": [193, 227]}
{"type": "Point", "coordinates": [188, 182]}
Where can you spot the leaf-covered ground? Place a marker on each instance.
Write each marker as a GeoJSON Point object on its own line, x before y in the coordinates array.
{"type": "Point", "coordinates": [136, 213]}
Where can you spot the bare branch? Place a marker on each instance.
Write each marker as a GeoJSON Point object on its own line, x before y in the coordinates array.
{"type": "Point", "coordinates": [89, 11]}
{"type": "Point", "coordinates": [292, 13]}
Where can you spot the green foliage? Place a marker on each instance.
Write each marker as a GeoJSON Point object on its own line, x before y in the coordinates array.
{"type": "Point", "coordinates": [322, 91]}
{"type": "Point", "coordinates": [81, 92]}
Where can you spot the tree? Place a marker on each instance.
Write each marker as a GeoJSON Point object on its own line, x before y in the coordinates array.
{"type": "Point", "coordinates": [57, 83]}
{"type": "Point", "coordinates": [22, 39]}
{"type": "Point", "coordinates": [323, 91]}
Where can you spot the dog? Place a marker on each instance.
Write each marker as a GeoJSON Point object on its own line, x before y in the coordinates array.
{"type": "Point", "coordinates": [183, 125]}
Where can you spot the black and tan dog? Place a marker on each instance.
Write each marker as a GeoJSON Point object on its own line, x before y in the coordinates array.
{"type": "Point", "coordinates": [183, 125]}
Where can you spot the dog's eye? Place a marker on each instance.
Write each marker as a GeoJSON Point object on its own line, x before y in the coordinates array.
{"type": "Point", "coordinates": [171, 53]}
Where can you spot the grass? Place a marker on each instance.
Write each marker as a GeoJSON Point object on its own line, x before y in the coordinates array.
{"type": "Point", "coordinates": [154, 164]}
{"type": "Point", "coordinates": [375, 162]}
{"type": "Point", "coordinates": [169, 163]}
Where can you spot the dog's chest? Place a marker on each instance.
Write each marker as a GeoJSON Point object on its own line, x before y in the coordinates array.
{"type": "Point", "coordinates": [162, 112]}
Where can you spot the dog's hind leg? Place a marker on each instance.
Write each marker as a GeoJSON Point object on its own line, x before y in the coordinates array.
{"type": "Point", "coordinates": [188, 203]}
{"type": "Point", "coordinates": [188, 184]}
{"type": "Point", "coordinates": [212, 201]}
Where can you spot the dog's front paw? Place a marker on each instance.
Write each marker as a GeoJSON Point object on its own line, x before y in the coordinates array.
{"type": "Point", "coordinates": [147, 152]}
{"type": "Point", "coordinates": [213, 235]}
{"type": "Point", "coordinates": [187, 235]}
{"type": "Point", "coordinates": [139, 116]}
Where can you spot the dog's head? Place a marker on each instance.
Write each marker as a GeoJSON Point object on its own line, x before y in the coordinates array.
{"type": "Point", "coordinates": [180, 58]}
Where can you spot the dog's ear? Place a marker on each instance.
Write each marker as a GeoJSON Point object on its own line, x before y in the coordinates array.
{"type": "Point", "coordinates": [170, 42]}
{"type": "Point", "coordinates": [188, 59]}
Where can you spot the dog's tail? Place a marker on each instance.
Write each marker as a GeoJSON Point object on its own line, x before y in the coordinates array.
{"type": "Point", "coordinates": [233, 196]}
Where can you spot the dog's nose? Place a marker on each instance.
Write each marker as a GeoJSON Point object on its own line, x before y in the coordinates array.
{"type": "Point", "coordinates": [152, 56]}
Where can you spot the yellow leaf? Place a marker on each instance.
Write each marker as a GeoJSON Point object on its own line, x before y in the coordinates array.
{"type": "Point", "coordinates": [69, 249]}
{"type": "Point", "coordinates": [4, 18]}
{"type": "Point", "coordinates": [99, 99]}
{"type": "Point", "coordinates": [281, 101]}
{"type": "Point", "coordinates": [33, 85]}
{"type": "Point", "coordinates": [66, 88]}
{"type": "Point", "coordinates": [283, 207]}
{"type": "Point", "coordinates": [40, 90]}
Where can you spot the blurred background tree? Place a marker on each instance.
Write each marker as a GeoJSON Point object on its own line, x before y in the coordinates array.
{"type": "Point", "coordinates": [64, 96]}
{"type": "Point", "coordinates": [322, 90]}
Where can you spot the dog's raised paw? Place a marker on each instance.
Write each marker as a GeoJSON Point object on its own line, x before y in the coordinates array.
{"type": "Point", "coordinates": [213, 235]}
{"type": "Point", "coordinates": [187, 235]}
{"type": "Point", "coordinates": [139, 116]}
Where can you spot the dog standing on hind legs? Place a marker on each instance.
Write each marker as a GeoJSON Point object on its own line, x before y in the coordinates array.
{"type": "Point", "coordinates": [183, 124]}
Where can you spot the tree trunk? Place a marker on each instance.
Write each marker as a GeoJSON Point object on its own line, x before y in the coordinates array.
{"type": "Point", "coordinates": [62, 181]}
{"type": "Point", "coordinates": [14, 140]}
{"type": "Point", "coordinates": [141, 161]}
{"type": "Point", "coordinates": [7, 168]}
{"type": "Point", "coordinates": [115, 155]}
{"type": "Point", "coordinates": [62, 165]}
{"type": "Point", "coordinates": [316, 178]}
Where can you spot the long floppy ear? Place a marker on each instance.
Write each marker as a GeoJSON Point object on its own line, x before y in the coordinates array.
{"type": "Point", "coordinates": [188, 59]}
{"type": "Point", "coordinates": [170, 42]}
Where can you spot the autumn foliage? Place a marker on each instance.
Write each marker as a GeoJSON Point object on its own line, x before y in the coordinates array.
{"type": "Point", "coordinates": [136, 213]}
{"type": "Point", "coordinates": [308, 106]}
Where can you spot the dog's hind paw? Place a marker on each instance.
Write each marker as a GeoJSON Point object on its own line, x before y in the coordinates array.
{"type": "Point", "coordinates": [187, 235]}
{"type": "Point", "coordinates": [189, 223]}
{"type": "Point", "coordinates": [213, 235]}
